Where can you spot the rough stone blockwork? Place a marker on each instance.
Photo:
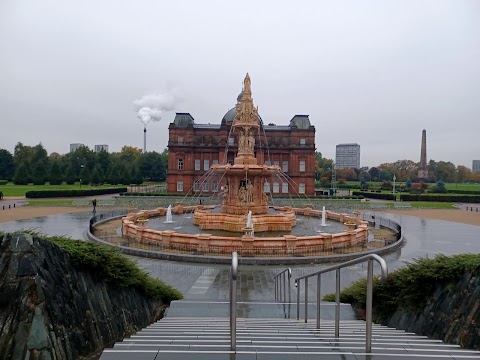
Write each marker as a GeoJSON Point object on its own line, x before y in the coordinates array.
{"type": "Point", "coordinates": [51, 310]}
{"type": "Point", "coordinates": [452, 315]}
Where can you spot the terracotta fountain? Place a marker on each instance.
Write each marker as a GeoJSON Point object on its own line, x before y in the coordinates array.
{"type": "Point", "coordinates": [244, 189]}
{"type": "Point", "coordinates": [245, 209]}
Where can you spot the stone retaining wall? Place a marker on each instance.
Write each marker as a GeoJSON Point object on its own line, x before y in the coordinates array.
{"type": "Point", "coordinates": [452, 314]}
{"type": "Point", "coordinates": [50, 309]}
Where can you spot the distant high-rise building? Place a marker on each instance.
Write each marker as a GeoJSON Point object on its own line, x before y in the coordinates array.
{"type": "Point", "coordinates": [347, 156]}
{"type": "Point", "coordinates": [75, 147]}
{"type": "Point", "coordinates": [99, 148]}
{"type": "Point", "coordinates": [476, 166]}
{"type": "Point", "coordinates": [423, 169]}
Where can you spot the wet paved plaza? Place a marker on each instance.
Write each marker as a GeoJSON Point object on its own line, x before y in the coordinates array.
{"type": "Point", "coordinates": [424, 238]}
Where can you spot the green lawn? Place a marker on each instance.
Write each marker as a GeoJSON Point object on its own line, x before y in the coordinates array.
{"type": "Point", "coordinates": [468, 187]}
{"type": "Point", "coordinates": [19, 190]}
{"type": "Point", "coordinates": [428, 205]}
{"type": "Point", "coordinates": [54, 202]}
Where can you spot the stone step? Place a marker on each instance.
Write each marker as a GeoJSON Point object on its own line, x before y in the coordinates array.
{"type": "Point", "coordinates": [209, 338]}
{"type": "Point", "coordinates": [258, 309]}
{"type": "Point", "coordinates": [153, 354]}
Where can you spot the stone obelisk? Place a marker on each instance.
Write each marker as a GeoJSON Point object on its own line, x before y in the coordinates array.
{"type": "Point", "coordinates": [422, 169]}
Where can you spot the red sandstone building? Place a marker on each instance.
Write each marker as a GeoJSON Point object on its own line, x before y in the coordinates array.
{"type": "Point", "coordinates": [193, 148]}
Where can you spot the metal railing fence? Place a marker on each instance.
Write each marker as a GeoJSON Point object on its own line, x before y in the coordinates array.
{"type": "Point", "coordinates": [368, 316]}
{"type": "Point", "coordinates": [282, 282]}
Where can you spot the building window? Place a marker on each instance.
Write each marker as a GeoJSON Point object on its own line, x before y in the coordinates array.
{"type": "Point", "coordinates": [302, 165]}
{"type": "Point", "coordinates": [215, 161]}
{"type": "Point", "coordinates": [276, 188]}
{"type": "Point", "coordinates": [180, 186]}
{"type": "Point", "coordinates": [206, 164]}
{"type": "Point", "coordinates": [302, 141]}
{"type": "Point", "coordinates": [197, 164]}
{"type": "Point", "coordinates": [268, 163]}
{"type": "Point", "coordinates": [196, 185]}
{"type": "Point", "coordinates": [266, 187]}
{"type": "Point", "coordinates": [180, 164]}
{"type": "Point", "coordinates": [276, 163]}
{"type": "Point", "coordinates": [215, 186]}
{"type": "Point", "coordinates": [285, 188]}
{"type": "Point", "coordinates": [301, 188]}
{"type": "Point", "coordinates": [285, 166]}
{"type": "Point", "coordinates": [231, 141]}
{"type": "Point", "coordinates": [205, 186]}
{"type": "Point", "coordinates": [180, 139]}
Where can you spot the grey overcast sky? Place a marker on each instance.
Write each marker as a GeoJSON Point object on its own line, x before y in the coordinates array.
{"type": "Point", "coordinates": [369, 72]}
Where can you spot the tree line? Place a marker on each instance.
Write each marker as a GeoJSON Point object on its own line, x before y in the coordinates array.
{"type": "Point", "coordinates": [403, 170]}
{"type": "Point", "coordinates": [32, 164]}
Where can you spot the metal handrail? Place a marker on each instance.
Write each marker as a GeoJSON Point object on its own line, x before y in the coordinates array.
{"type": "Point", "coordinates": [279, 280]}
{"type": "Point", "coordinates": [368, 315]}
{"type": "Point", "coordinates": [233, 301]}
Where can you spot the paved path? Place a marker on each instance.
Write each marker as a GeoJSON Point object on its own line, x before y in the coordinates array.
{"type": "Point", "coordinates": [424, 238]}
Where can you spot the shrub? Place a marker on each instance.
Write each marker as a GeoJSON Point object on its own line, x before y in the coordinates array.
{"type": "Point", "coordinates": [55, 177]}
{"type": "Point", "coordinates": [21, 175]}
{"type": "Point", "coordinates": [3, 182]}
{"type": "Point", "coordinates": [114, 267]}
{"type": "Point", "coordinates": [72, 193]}
{"type": "Point", "coordinates": [441, 198]}
{"type": "Point", "coordinates": [374, 195]}
{"type": "Point", "coordinates": [412, 286]}
{"type": "Point", "coordinates": [70, 176]}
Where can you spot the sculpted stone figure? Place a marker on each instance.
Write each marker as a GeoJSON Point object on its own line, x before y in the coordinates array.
{"type": "Point", "coordinates": [251, 143]}
{"type": "Point", "coordinates": [242, 195]}
{"type": "Point", "coordinates": [241, 143]}
{"type": "Point", "coordinates": [249, 192]}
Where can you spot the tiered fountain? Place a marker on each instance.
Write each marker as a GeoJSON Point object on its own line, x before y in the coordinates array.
{"type": "Point", "coordinates": [244, 189]}
{"type": "Point", "coordinates": [245, 209]}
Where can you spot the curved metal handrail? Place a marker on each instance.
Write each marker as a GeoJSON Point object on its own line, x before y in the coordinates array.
{"type": "Point", "coordinates": [368, 316]}
{"type": "Point", "coordinates": [233, 301]}
{"type": "Point", "coordinates": [279, 280]}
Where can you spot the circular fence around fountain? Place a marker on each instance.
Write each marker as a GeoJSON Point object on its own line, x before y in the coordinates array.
{"type": "Point", "coordinates": [135, 238]}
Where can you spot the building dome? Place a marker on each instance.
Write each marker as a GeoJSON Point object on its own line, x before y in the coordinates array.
{"type": "Point", "coordinates": [239, 97]}
{"type": "Point", "coordinates": [229, 115]}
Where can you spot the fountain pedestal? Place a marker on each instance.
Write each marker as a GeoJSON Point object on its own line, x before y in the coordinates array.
{"type": "Point", "coordinates": [245, 179]}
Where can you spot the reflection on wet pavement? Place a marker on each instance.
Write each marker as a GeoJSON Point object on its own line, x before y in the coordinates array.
{"type": "Point", "coordinates": [424, 238]}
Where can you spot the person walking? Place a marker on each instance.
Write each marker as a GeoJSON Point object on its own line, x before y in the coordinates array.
{"type": "Point", "coordinates": [94, 203]}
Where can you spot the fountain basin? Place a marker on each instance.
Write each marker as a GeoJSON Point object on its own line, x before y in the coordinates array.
{"type": "Point", "coordinates": [207, 220]}
{"type": "Point", "coordinates": [246, 245]}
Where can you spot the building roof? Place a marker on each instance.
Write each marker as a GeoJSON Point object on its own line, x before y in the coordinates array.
{"type": "Point", "coordinates": [183, 119]}
{"type": "Point", "coordinates": [206, 126]}
{"type": "Point", "coordinates": [300, 121]}
{"type": "Point", "coordinates": [276, 127]}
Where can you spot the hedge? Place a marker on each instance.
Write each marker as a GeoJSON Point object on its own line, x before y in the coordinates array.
{"type": "Point", "coordinates": [3, 182]}
{"type": "Point", "coordinates": [468, 192]}
{"type": "Point", "coordinates": [371, 195]}
{"type": "Point", "coordinates": [441, 198]}
{"type": "Point", "coordinates": [72, 193]}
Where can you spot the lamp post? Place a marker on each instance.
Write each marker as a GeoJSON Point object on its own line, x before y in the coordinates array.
{"type": "Point", "coordinates": [394, 196]}
{"type": "Point", "coordinates": [81, 170]}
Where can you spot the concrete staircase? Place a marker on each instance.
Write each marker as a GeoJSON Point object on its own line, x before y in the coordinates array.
{"type": "Point", "coordinates": [186, 333]}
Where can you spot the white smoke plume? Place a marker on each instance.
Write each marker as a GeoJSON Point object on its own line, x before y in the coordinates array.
{"type": "Point", "coordinates": [152, 106]}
